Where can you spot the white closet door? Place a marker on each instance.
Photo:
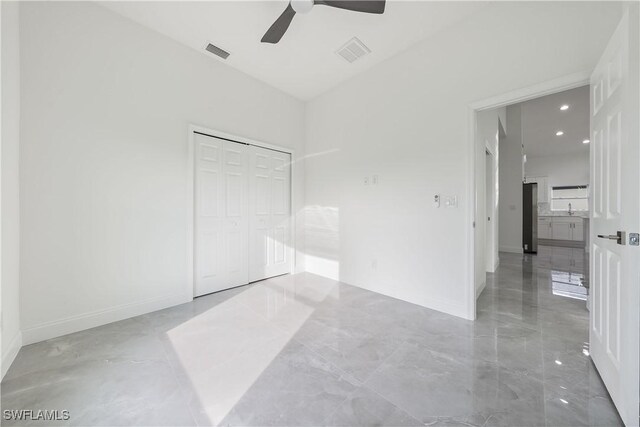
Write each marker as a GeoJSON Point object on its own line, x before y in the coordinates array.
{"type": "Point", "coordinates": [221, 215]}
{"type": "Point", "coordinates": [270, 251]}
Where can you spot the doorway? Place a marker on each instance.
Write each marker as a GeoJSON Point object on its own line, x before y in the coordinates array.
{"type": "Point", "coordinates": [613, 210]}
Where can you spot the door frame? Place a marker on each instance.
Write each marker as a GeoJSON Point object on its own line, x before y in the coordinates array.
{"type": "Point", "coordinates": [191, 196]}
{"type": "Point", "coordinates": [548, 87]}
{"type": "Point", "coordinates": [490, 241]}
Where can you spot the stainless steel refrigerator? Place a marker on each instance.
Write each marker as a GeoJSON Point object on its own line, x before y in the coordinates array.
{"type": "Point", "coordinates": [530, 218]}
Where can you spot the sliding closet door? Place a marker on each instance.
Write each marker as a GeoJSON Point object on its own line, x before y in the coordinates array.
{"type": "Point", "coordinates": [269, 213]}
{"type": "Point", "coordinates": [221, 215]}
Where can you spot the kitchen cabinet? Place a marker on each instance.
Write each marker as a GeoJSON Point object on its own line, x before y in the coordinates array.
{"type": "Point", "coordinates": [544, 228]}
{"type": "Point", "coordinates": [561, 228]}
{"type": "Point", "coordinates": [577, 232]}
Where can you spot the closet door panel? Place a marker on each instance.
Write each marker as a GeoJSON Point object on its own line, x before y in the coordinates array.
{"type": "Point", "coordinates": [269, 213]}
{"type": "Point", "coordinates": [221, 222]}
{"type": "Point", "coordinates": [209, 209]}
{"type": "Point", "coordinates": [236, 221]}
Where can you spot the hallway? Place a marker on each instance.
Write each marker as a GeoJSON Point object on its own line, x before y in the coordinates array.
{"type": "Point", "coordinates": [306, 350]}
{"type": "Point", "coordinates": [540, 293]}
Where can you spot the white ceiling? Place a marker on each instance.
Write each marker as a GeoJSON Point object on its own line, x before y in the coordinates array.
{"type": "Point", "coordinates": [542, 118]}
{"type": "Point", "coordinates": [304, 63]}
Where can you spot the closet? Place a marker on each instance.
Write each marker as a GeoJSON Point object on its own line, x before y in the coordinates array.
{"type": "Point", "coordinates": [242, 213]}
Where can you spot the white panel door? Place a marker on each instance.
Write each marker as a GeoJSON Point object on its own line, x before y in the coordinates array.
{"type": "Point", "coordinates": [270, 251]}
{"type": "Point", "coordinates": [221, 215]}
{"type": "Point", "coordinates": [615, 183]}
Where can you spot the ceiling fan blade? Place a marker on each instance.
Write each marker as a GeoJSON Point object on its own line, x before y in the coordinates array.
{"type": "Point", "coordinates": [367, 6]}
{"type": "Point", "coordinates": [277, 30]}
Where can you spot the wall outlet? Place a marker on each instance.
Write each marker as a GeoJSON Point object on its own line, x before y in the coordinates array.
{"type": "Point", "coordinates": [374, 179]}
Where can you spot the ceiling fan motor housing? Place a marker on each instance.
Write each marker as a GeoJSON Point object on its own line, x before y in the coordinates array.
{"type": "Point", "coordinates": [302, 6]}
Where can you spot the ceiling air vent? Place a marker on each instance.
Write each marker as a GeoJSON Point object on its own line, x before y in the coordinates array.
{"type": "Point", "coordinates": [217, 51]}
{"type": "Point", "coordinates": [353, 50]}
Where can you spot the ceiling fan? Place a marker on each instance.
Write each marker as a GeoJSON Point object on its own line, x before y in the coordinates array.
{"type": "Point", "coordinates": [277, 30]}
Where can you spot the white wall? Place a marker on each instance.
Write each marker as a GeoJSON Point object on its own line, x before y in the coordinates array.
{"type": "Point", "coordinates": [10, 124]}
{"type": "Point", "coordinates": [566, 169]}
{"type": "Point", "coordinates": [406, 120]}
{"type": "Point", "coordinates": [511, 176]}
{"type": "Point", "coordinates": [105, 108]}
{"type": "Point", "coordinates": [487, 133]}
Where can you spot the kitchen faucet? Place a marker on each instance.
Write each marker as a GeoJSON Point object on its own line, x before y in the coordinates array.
{"type": "Point", "coordinates": [570, 212]}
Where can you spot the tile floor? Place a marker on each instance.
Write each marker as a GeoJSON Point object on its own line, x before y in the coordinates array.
{"type": "Point", "coordinates": [302, 350]}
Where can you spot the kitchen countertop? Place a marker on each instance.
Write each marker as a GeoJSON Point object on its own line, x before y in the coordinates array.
{"type": "Point", "coordinates": [583, 215]}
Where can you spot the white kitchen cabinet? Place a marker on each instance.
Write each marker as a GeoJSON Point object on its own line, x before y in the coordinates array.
{"type": "Point", "coordinates": [577, 230]}
{"type": "Point", "coordinates": [561, 228]}
{"type": "Point", "coordinates": [544, 228]}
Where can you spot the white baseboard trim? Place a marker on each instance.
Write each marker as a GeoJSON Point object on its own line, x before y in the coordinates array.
{"type": "Point", "coordinates": [80, 322]}
{"type": "Point", "coordinates": [511, 249]}
{"type": "Point", "coordinates": [12, 351]}
{"type": "Point", "coordinates": [444, 306]}
{"type": "Point", "coordinates": [322, 267]}
{"type": "Point", "coordinates": [480, 289]}
{"type": "Point", "coordinates": [495, 267]}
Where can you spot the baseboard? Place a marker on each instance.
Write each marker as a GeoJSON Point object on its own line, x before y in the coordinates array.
{"type": "Point", "coordinates": [495, 267]}
{"type": "Point", "coordinates": [480, 289]}
{"type": "Point", "coordinates": [444, 306]}
{"type": "Point", "coordinates": [10, 355]}
{"type": "Point", "coordinates": [322, 267]}
{"type": "Point", "coordinates": [511, 249]}
{"type": "Point", "coordinates": [90, 320]}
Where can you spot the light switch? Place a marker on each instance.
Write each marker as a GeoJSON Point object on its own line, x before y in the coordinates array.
{"type": "Point", "coordinates": [452, 202]}
{"type": "Point", "coordinates": [366, 180]}
{"type": "Point", "coordinates": [374, 180]}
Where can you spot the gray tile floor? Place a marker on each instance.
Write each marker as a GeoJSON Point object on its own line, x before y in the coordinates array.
{"type": "Point", "coordinates": [302, 350]}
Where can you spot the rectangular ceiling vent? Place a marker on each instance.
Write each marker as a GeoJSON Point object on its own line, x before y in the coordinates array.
{"type": "Point", "coordinates": [217, 51]}
{"type": "Point", "coordinates": [353, 50]}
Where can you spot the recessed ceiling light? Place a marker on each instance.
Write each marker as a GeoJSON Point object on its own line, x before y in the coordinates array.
{"type": "Point", "coordinates": [564, 107]}
{"type": "Point", "coordinates": [559, 133]}
{"type": "Point", "coordinates": [586, 141]}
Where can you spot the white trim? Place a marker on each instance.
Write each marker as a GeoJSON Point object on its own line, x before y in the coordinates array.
{"type": "Point", "coordinates": [560, 84]}
{"type": "Point", "coordinates": [12, 351]}
{"type": "Point", "coordinates": [513, 97]}
{"type": "Point", "coordinates": [190, 291]}
{"type": "Point", "coordinates": [56, 328]}
{"type": "Point", "coordinates": [481, 288]}
{"type": "Point", "coordinates": [470, 291]}
{"type": "Point", "coordinates": [511, 249]}
{"type": "Point", "coordinates": [446, 306]}
{"type": "Point", "coordinates": [492, 214]}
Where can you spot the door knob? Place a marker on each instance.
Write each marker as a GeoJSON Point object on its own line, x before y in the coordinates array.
{"type": "Point", "coordinates": [619, 237]}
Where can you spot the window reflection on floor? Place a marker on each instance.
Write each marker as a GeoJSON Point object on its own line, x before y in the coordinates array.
{"type": "Point", "coordinates": [567, 284]}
